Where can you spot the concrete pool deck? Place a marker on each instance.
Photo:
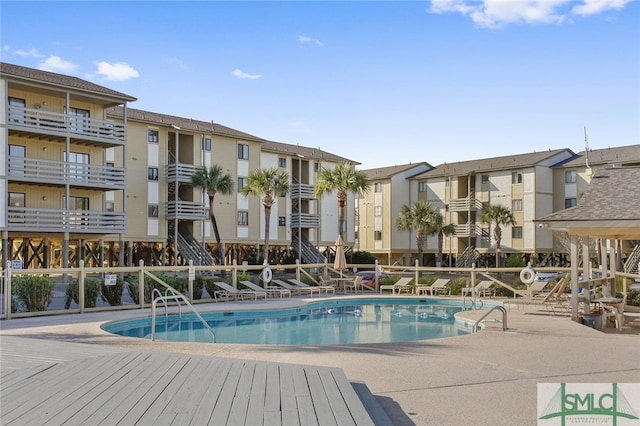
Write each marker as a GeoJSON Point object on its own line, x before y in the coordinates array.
{"type": "Point", "coordinates": [484, 378]}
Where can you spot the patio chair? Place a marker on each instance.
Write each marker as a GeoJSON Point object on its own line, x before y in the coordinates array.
{"type": "Point", "coordinates": [295, 289]}
{"type": "Point", "coordinates": [399, 286]}
{"type": "Point", "coordinates": [269, 290]}
{"type": "Point", "coordinates": [357, 282]}
{"type": "Point", "coordinates": [484, 288]}
{"type": "Point", "coordinates": [226, 290]}
{"type": "Point", "coordinates": [439, 286]}
{"type": "Point", "coordinates": [537, 287]}
{"type": "Point", "coordinates": [326, 288]}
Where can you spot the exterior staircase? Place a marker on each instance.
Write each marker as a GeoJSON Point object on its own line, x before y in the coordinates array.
{"type": "Point", "coordinates": [467, 258]}
{"type": "Point", "coordinates": [631, 265]}
{"type": "Point", "coordinates": [310, 254]}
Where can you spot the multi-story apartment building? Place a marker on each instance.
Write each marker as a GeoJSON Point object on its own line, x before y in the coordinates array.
{"type": "Point", "coordinates": [86, 177]}
{"type": "Point", "coordinates": [62, 169]}
{"type": "Point", "coordinates": [378, 209]}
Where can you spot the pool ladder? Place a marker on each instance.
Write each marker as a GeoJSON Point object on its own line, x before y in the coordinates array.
{"type": "Point", "coordinates": [504, 318]}
{"type": "Point", "coordinates": [172, 295]}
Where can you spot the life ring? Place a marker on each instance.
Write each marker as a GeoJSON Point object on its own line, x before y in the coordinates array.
{"type": "Point", "coordinates": [527, 275]}
{"type": "Point", "coordinates": [266, 274]}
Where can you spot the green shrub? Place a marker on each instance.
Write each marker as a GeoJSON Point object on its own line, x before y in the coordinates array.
{"type": "Point", "coordinates": [515, 261]}
{"type": "Point", "coordinates": [113, 293]}
{"type": "Point", "coordinates": [633, 298]}
{"type": "Point", "coordinates": [35, 293]}
{"type": "Point", "coordinates": [91, 292]}
{"type": "Point", "coordinates": [178, 283]}
{"type": "Point", "coordinates": [457, 285]}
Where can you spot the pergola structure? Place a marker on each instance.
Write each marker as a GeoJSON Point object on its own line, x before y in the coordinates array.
{"type": "Point", "coordinates": [609, 211]}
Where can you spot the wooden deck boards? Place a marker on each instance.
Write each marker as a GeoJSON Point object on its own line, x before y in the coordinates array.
{"type": "Point", "coordinates": [140, 388]}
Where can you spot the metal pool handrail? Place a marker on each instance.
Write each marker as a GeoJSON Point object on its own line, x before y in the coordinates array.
{"type": "Point", "coordinates": [176, 297]}
{"type": "Point", "coordinates": [504, 318]}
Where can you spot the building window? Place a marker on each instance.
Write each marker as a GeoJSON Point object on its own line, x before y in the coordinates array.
{"type": "Point", "coordinates": [516, 205]}
{"type": "Point", "coordinates": [516, 232]}
{"type": "Point", "coordinates": [377, 187]}
{"type": "Point", "coordinates": [109, 206]}
{"type": "Point", "coordinates": [282, 162]}
{"type": "Point", "coordinates": [152, 136]}
{"type": "Point", "coordinates": [16, 199]}
{"type": "Point", "coordinates": [243, 218]}
{"type": "Point", "coordinates": [377, 211]}
{"type": "Point", "coordinates": [570, 202]}
{"type": "Point", "coordinates": [485, 179]}
{"type": "Point", "coordinates": [152, 173]}
{"type": "Point", "coordinates": [79, 167]}
{"type": "Point", "coordinates": [316, 166]}
{"type": "Point", "coordinates": [16, 110]}
{"type": "Point", "coordinates": [516, 177]}
{"type": "Point", "coordinates": [152, 210]}
{"type": "Point", "coordinates": [243, 151]}
{"type": "Point", "coordinates": [422, 186]}
{"type": "Point", "coordinates": [282, 221]}
{"type": "Point", "coordinates": [206, 144]}
{"type": "Point", "coordinates": [377, 235]}
{"type": "Point", "coordinates": [242, 182]}
{"type": "Point", "coordinates": [570, 176]}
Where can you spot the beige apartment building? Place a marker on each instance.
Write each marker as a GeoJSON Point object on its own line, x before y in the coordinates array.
{"type": "Point", "coordinates": [530, 185]}
{"type": "Point", "coordinates": [62, 169]}
{"type": "Point", "coordinates": [88, 178]}
{"type": "Point", "coordinates": [377, 210]}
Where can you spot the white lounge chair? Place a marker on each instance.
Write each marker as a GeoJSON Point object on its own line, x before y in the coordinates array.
{"type": "Point", "coordinates": [295, 289]}
{"type": "Point", "coordinates": [483, 288]}
{"type": "Point", "coordinates": [226, 290]}
{"type": "Point", "coordinates": [326, 288]}
{"type": "Point", "coordinates": [537, 287]}
{"type": "Point", "coordinates": [399, 286]}
{"type": "Point", "coordinates": [269, 290]}
{"type": "Point", "coordinates": [439, 286]}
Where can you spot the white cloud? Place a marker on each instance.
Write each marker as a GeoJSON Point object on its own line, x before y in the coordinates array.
{"type": "Point", "coordinates": [244, 75]}
{"type": "Point", "coordinates": [57, 64]}
{"type": "Point", "coordinates": [305, 40]}
{"type": "Point", "coordinates": [498, 13]}
{"type": "Point", "coordinates": [120, 71]}
{"type": "Point", "coordinates": [591, 7]}
{"type": "Point", "coordinates": [179, 62]}
{"type": "Point", "coordinates": [33, 53]}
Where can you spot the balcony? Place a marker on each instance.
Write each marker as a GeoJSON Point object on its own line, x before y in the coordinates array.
{"type": "Point", "coordinates": [470, 230]}
{"type": "Point", "coordinates": [186, 210]}
{"type": "Point", "coordinates": [302, 191]}
{"type": "Point", "coordinates": [305, 220]}
{"type": "Point", "coordinates": [28, 122]}
{"type": "Point", "coordinates": [469, 203]}
{"type": "Point", "coordinates": [181, 172]}
{"type": "Point", "coordinates": [61, 220]}
{"type": "Point", "coordinates": [51, 173]}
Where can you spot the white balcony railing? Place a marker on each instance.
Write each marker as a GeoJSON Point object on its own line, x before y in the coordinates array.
{"type": "Point", "coordinates": [182, 172]}
{"type": "Point", "coordinates": [468, 203]}
{"type": "Point", "coordinates": [61, 220]}
{"type": "Point", "coordinates": [60, 173]}
{"type": "Point", "coordinates": [186, 210]}
{"type": "Point", "coordinates": [302, 191]}
{"type": "Point", "coordinates": [53, 123]}
{"type": "Point", "coordinates": [305, 220]}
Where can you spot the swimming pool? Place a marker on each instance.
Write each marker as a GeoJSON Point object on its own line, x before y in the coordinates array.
{"type": "Point", "coordinates": [328, 322]}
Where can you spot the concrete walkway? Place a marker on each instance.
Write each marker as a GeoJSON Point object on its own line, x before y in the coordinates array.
{"type": "Point", "coordinates": [486, 378]}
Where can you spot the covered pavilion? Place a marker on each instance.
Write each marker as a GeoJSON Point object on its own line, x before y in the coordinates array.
{"type": "Point", "coordinates": [608, 211]}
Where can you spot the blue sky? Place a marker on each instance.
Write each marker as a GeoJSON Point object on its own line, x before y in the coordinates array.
{"type": "Point", "coordinates": [381, 83]}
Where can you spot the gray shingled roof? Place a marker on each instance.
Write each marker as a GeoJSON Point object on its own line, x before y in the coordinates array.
{"type": "Point", "coordinates": [610, 206]}
{"type": "Point", "coordinates": [64, 81]}
{"type": "Point", "coordinates": [390, 171]}
{"type": "Point", "coordinates": [507, 162]}
{"type": "Point", "coordinates": [308, 153]}
{"type": "Point", "coordinates": [616, 156]}
{"type": "Point", "coordinates": [189, 124]}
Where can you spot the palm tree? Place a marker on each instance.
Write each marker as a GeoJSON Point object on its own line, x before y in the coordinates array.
{"type": "Point", "coordinates": [343, 178]}
{"type": "Point", "coordinates": [498, 215]}
{"type": "Point", "coordinates": [442, 230]}
{"type": "Point", "coordinates": [419, 217]}
{"type": "Point", "coordinates": [268, 182]}
{"type": "Point", "coordinates": [213, 180]}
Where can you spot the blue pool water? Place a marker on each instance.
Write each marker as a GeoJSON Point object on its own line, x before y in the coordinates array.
{"type": "Point", "coordinates": [342, 322]}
